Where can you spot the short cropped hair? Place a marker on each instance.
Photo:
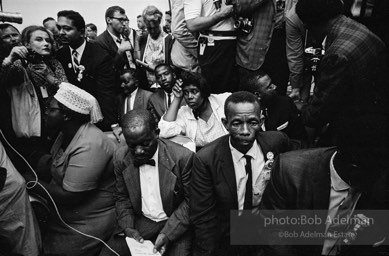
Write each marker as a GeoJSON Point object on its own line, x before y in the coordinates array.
{"type": "Point", "coordinates": [75, 17]}
{"type": "Point", "coordinates": [91, 26]}
{"type": "Point", "coordinates": [318, 11]}
{"type": "Point", "coordinates": [111, 10]}
{"type": "Point", "coordinates": [197, 80]}
{"type": "Point", "coordinates": [47, 19]}
{"type": "Point", "coordinates": [138, 117]}
{"type": "Point", "coordinates": [251, 82]}
{"type": "Point", "coordinates": [163, 64]}
{"type": "Point", "coordinates": [152, 13]}
{"type": "Point", "coordinates": [241, 97]}
{"type": "Point", "coordinates": [132, 71]}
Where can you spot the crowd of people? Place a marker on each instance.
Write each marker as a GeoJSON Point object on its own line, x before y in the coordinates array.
{"type": "Point", "coordinates": [95, 130]}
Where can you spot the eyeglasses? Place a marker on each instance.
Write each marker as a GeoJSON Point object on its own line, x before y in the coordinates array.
{"type": "Point", "coordinates": [121, 20]}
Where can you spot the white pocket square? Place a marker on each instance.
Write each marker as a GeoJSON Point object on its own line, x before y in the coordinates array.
{"type": "Point", "coordinates": [283, 126]}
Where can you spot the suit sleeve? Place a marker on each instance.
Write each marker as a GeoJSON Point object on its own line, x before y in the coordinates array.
{"type": "Point", "coordinates": [106, 90]}
{"type": "Point", "coordinates": [124, 209]}
{"type": "Point", "coordinates": [178, 222]}
{"type": "Point", "coordinates": [203, 212]}
{"type": "Point", "coordinates": [275, 199]}
{"type": "Point", "coordinates": [332, 87]}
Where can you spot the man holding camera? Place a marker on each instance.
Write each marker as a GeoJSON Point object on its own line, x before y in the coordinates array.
{"type": "Point", "coordinates": [261, 40]}
{"type": "Point", "coordinates": [217, 42]}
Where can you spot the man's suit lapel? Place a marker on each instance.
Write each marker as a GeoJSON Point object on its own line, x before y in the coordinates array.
{"type": "Point", "coordinates": [228, 170]}
{"type": "Point", "coordinates": [131, 175]}
{"type": "Point", "coordinates": [109, 41]}
{"type": "Point", "coordinates": [167, 179]}
{"type": "Point", "coordinates": [68, 66]}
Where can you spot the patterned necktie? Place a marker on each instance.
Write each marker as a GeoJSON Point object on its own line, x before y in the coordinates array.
{"type": "Point", "coordinates": [248, 198]}
{"type": "Point", "coordinates": [75, 60]}
{"type": "Point", "coordinates": [341, 219]}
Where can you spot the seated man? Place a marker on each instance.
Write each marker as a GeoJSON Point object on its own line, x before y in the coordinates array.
{"type": "Point", "coordinates": [132, 97]}
{"type": "Point", "coordinates": [279, 111]}
{"type": "Point", "coordinates": [334, 185]}
{"type": "Point", "coordinates": [152, 188]}
{"type": "Point", "coordinates": [162, 98]}
{"type": "Point", "coordinates": [19, 231]}
{"type": "Point", "coordinates": [222, 169]}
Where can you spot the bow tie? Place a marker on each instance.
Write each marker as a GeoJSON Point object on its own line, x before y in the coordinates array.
{"type": "Point", "coordinates": [149, 162]}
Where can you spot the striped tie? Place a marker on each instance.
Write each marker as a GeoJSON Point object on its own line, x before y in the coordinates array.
{"type": "Point", "coordinates": [75, 60]}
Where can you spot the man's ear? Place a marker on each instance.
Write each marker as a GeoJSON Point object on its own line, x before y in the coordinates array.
{"type": "Point", "coordinates": [225, 122]}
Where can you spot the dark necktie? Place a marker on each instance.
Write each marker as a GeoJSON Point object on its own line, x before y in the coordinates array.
{"type": "Point", "coordinates": [169, 101]}
{"type": "Point", "coordinates": [149, 162]}
{"type": "Point", "coordinates": [75, 60]}
{"type": "Point", "coordinates": [248, 198]}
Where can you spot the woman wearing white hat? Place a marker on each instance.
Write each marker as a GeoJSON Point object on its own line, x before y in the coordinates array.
{"type": "Point", "coordinates": [82, 174]}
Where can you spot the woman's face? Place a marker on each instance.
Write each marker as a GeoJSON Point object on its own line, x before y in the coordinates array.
{"type": "Point", "coordinates": [40, 42]}
{"type": "Point", "coordinates": [193, 96]}
{"type": "Point", "coordinates": [54, 115]}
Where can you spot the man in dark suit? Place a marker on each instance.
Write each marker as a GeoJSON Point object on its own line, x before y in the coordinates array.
{"type": "Point", "coordinates": [162, 98]}
{"type": "Point", "coordinates": [221, 170]}
{"type": "Point", "coordinates": [152, 187]}
{"type": "Point", "coordinates": [86, 65]}
{"type": "Point", "coordinates": [131, 98]}
{"type": "Point", "coordinates": [352, 74]}
{"type": "Point", "coordinates": [336, 183]}
{"type": "Point", "coordinates": [118, 39]}
{"type": "Point", "coordinates": [279, 111]}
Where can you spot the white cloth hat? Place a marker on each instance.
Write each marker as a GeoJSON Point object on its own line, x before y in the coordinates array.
{"type": "Point", "coordinates": [79, 101]}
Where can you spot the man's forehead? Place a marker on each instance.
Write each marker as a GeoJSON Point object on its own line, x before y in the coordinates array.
{"type": "Point", "coordinates": [243, 108]}
{"type": "Point", "coordinates": [64, 21]}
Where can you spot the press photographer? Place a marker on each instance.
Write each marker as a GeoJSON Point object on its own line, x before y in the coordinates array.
{"type": "Point", "coordinates": [29, 75]}
{"type": "Point", "coordinates": [261, 40]}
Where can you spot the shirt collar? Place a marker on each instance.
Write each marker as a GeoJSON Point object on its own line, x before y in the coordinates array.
{"type": "Point", "coordinates": [155, 156]}
{"type": "Point", "coordinates": [80, 49]}
{"type": "Point", "coordinates": [114, 37]}
{"type": "Point", "coordinates": [237, 155]}
{"type": "Point", "coordinates": [134, 92]}
{"type": "Point", "coordinates": [336, 181]}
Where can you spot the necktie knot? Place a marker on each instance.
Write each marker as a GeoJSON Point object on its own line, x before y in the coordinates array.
{"type": "Point", "coordinates": [148, 162]}
{"type": "Point", "coordinates": [75, 59]}
{"type": "Point", "coordinates": [248, 163]}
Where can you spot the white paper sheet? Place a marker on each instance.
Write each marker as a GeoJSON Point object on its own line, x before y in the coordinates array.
{"type": "Point", "coordinates": [141, 249]}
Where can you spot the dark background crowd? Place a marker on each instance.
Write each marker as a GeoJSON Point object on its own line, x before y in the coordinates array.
{"type": "Point", "coordinates": [160, 133]}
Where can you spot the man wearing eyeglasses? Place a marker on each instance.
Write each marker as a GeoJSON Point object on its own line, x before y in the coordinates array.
{"type": "Point", "coordinates": [118, 39]}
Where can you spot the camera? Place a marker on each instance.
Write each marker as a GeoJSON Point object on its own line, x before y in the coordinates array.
{"type": "Point", "coordinates": [244, 24]}
{"type": "Point", "coordinates": [314, 55]}
{"type": "Point", "coordinates": [13, 17]}
{"type": "Point", "coordinates": [33, 57]}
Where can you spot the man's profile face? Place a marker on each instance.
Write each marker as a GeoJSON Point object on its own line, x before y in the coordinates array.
{"type": "Point", "coordinates": [165, 78]}
{"type": "Point", "coordinates": [91, 34]}
{"type": "Point", "coordinates": [266, 90]}
{"type": "Point", "coordinates": [139, 22]}
{"type": "Point", "coordinates": [69, 34]}
{"type": "Point", "coordinates": [153, 26]}
{"type": "Point", "coordinates": [243, 123]}
{"type": "Point", "coordinates": [141, 140]}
